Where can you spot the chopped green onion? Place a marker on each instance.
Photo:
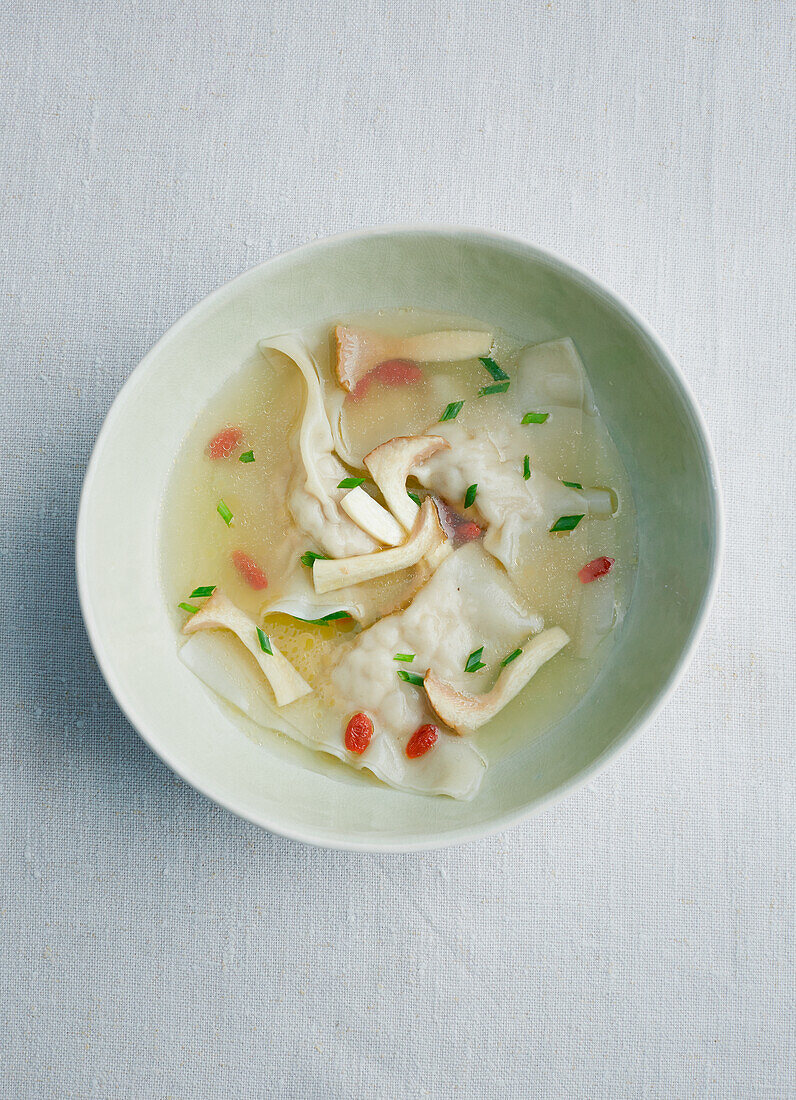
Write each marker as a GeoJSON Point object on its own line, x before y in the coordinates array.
{"type": "Point", "coordinates": [571, 484]}
{"type": "Point", "coordinates": [407, 658]}
{"type": "Point", "coordinates": [534, 418]}
{"type": "Point", "coordinates": [247, 456]}
{"type": "Point", "coordinates": [526, 467]}
{"type": "Point", "coordinates": [410, 677]}
{"type": "Point", "coordinates": [497, 372]}
{"type": "Point", "coordinates": [511, 657]}
{"type": "Point", "coordinates": [324, 618]}
{"type": "Point", "coordinates": [469, 496]}
{"type": "Point", "coordinates": [474, 662]}
{"type": "Point", "coordinates": [413, 496]}
{"type": "Point", "coordinates": [189, 607]}
{"type": "Point", "coordinates": [452, 411]}
{"type": "Point", "coordinates": [496, 387]}
{"type": "Point", "coordinates": [200, 593]}
{"type": "Point", "coordinates": [566, 523]}
{"type": "Point", "coordinates": [265, 641]}
{"type": "Point", "coordinates": [224, 512]}
{"type": "Point", "coordinates": [350, 482]}
{"type": "Point", "coordinates": [310, 556]}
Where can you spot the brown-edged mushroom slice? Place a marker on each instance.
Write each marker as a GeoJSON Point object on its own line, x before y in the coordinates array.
{"type": "Point", "coordinates": [464, 712]}
{"type": "Point", "coordinates": [220, 613]}
{"type": "Point", "coordinates": [390, 465]}
{"type": "Point", "coordinates": [371, 517]}
{"type": "Point", "coordinates": [329, 574]}
{"type": "Point", "coordinates": [357, 351]}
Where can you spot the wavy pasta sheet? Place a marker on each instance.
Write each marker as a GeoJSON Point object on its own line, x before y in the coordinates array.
{"type": "Point", "coordinates": [313, 496]}
{"type": "Point", "coordinates": [511, 505]}
{"type": "Point", "coordinates": [468, 603]}
{"type": "Point", "coordinates": [454, 767]}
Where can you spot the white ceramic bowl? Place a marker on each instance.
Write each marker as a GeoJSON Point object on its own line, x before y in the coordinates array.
{"type": "Point", "coordinates": [535, 296]}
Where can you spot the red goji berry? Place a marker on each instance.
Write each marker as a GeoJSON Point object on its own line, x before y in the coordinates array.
{"type": "Point", "coordinates": [223, 444]}
{"type": "Point", "coordinates": [595, 569]}
{"type": "Point", "coordinates": [358, 733]}
{"type": "Point", "coordinates": [468, 531]}
{"type": "Point", "coordinates": [398, 372]}
{"type": "Point", "coordinates": [421, 741]}
{"type": "Point", "coordinates": [249, 570]}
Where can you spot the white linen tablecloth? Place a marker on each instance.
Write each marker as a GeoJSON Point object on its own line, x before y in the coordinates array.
{"type": "Point", "coordinates": [635, 940]}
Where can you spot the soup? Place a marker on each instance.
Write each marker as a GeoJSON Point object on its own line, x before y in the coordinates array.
{"type": "Point", "coordinates": [405, 540]}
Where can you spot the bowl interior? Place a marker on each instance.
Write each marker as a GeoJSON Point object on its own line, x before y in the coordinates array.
{"type": "Point", "coordinates": [533, 296]}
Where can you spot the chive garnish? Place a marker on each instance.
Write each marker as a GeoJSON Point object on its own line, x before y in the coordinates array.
{"type": "Point", "coordinates": [474, 662]}
{"type": "Point", "coordinates": [410, 677]}
{"type": "Point", "coordinates": [511, 657]}
{"type": "Point", "coordinates": [496, 387]}
{"type": "Point", "coordinates": [566, 523]}
{"type": "Point", "coordinates": [247, 456]}
{"type": "Point", "coordinates": [413, 496]}
{"type": "Point", "coordinates": [526, 467]}
{"type": "Point", "coordinates": [189, 607]}
{"type": "Point", "coordinates": [350, 482]}
{"type": "Point", "coordinates": [452, 411]}
{"type": "Point", "coordinates": [324, 618]}
{"type": "Point", "coordinates": [497, 372]}
{"type": "Point", "coordinates": [407, 658]}
{"type": "Point", "coordinates": [310, 556]}
{"type": "Point", "coordinates": [571, 484]}
{"type": "Point", "coordinates": [265, 642]}
{"type": "Point", "coordinates": [534, 418]}
{"type": "Point", "coordinates": [200, 593]}
{"type": "Point", "coordinates": [469, 496]}
{"type": "Point", "coordinates": [224, 512]}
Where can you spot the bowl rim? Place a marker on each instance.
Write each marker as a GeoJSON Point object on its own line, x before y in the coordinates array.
{"type": "Point", "coordinates": [463, 834]}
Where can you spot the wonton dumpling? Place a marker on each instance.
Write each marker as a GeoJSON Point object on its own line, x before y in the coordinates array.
{"type": "Point", "coordinates": [466, 604]}
{"type": "Point", "coordinates": [454, 767]}
{"type": "Point", "coordinates": [511, 505]}
{"type": "Point", "coordinates": [313, 496]}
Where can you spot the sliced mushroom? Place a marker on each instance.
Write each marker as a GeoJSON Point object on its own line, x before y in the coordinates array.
{"type": "Point", "coordinates": [220, 613]}
{"type": "Point", "coordinates": [464, 712]}
{"type": "Point", "coordinates": [391, 463]}
{"type": "Point", "coordinates": [427, 535]}
{"type": "Point", "coordinates": [358, 351]}
{"type": "Point", "coordinates": [371, 517]}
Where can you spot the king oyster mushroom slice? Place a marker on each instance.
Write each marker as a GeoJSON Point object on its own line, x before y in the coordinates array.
{"type": "Point", "coordinates": [357, 351]}
{"type": "Point", "coordinates": [464, 712]}
{"type": "Point", "coordinates": [371, 517]}
{"type": "Point", "coordinates": [427, 536]}
{"type": "Point", "coordinates": [220, 613]}
{"type": "Point", "coordinates": [390, 465]}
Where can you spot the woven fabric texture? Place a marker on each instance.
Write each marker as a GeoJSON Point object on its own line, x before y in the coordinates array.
{"type": "Point", "coordinates": [635, 940]}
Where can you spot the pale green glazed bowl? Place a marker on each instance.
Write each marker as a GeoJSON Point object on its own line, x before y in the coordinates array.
{"type": "Point", "coordinates": [503, 280]}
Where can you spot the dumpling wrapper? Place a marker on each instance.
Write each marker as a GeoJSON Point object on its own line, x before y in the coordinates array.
{"type": "Point", "coordinates": [466, 712]}
{"type": "Point", "coordinates": [552, 374]}
{"type": "Point", "coordinates": [357, 351]}
{"type": "Point", "coordinates": [598, 613]}
{"type": "Point", "coordinates": [468, 602]}
{"type": "Point", "coordinates": [511, 505]}
{"type": "Point", "coordinates": [220, 613]}
{"type": "Point", "coordinates": [313, 494]}
{"type": "Point", "coordinates": [454, 768]}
